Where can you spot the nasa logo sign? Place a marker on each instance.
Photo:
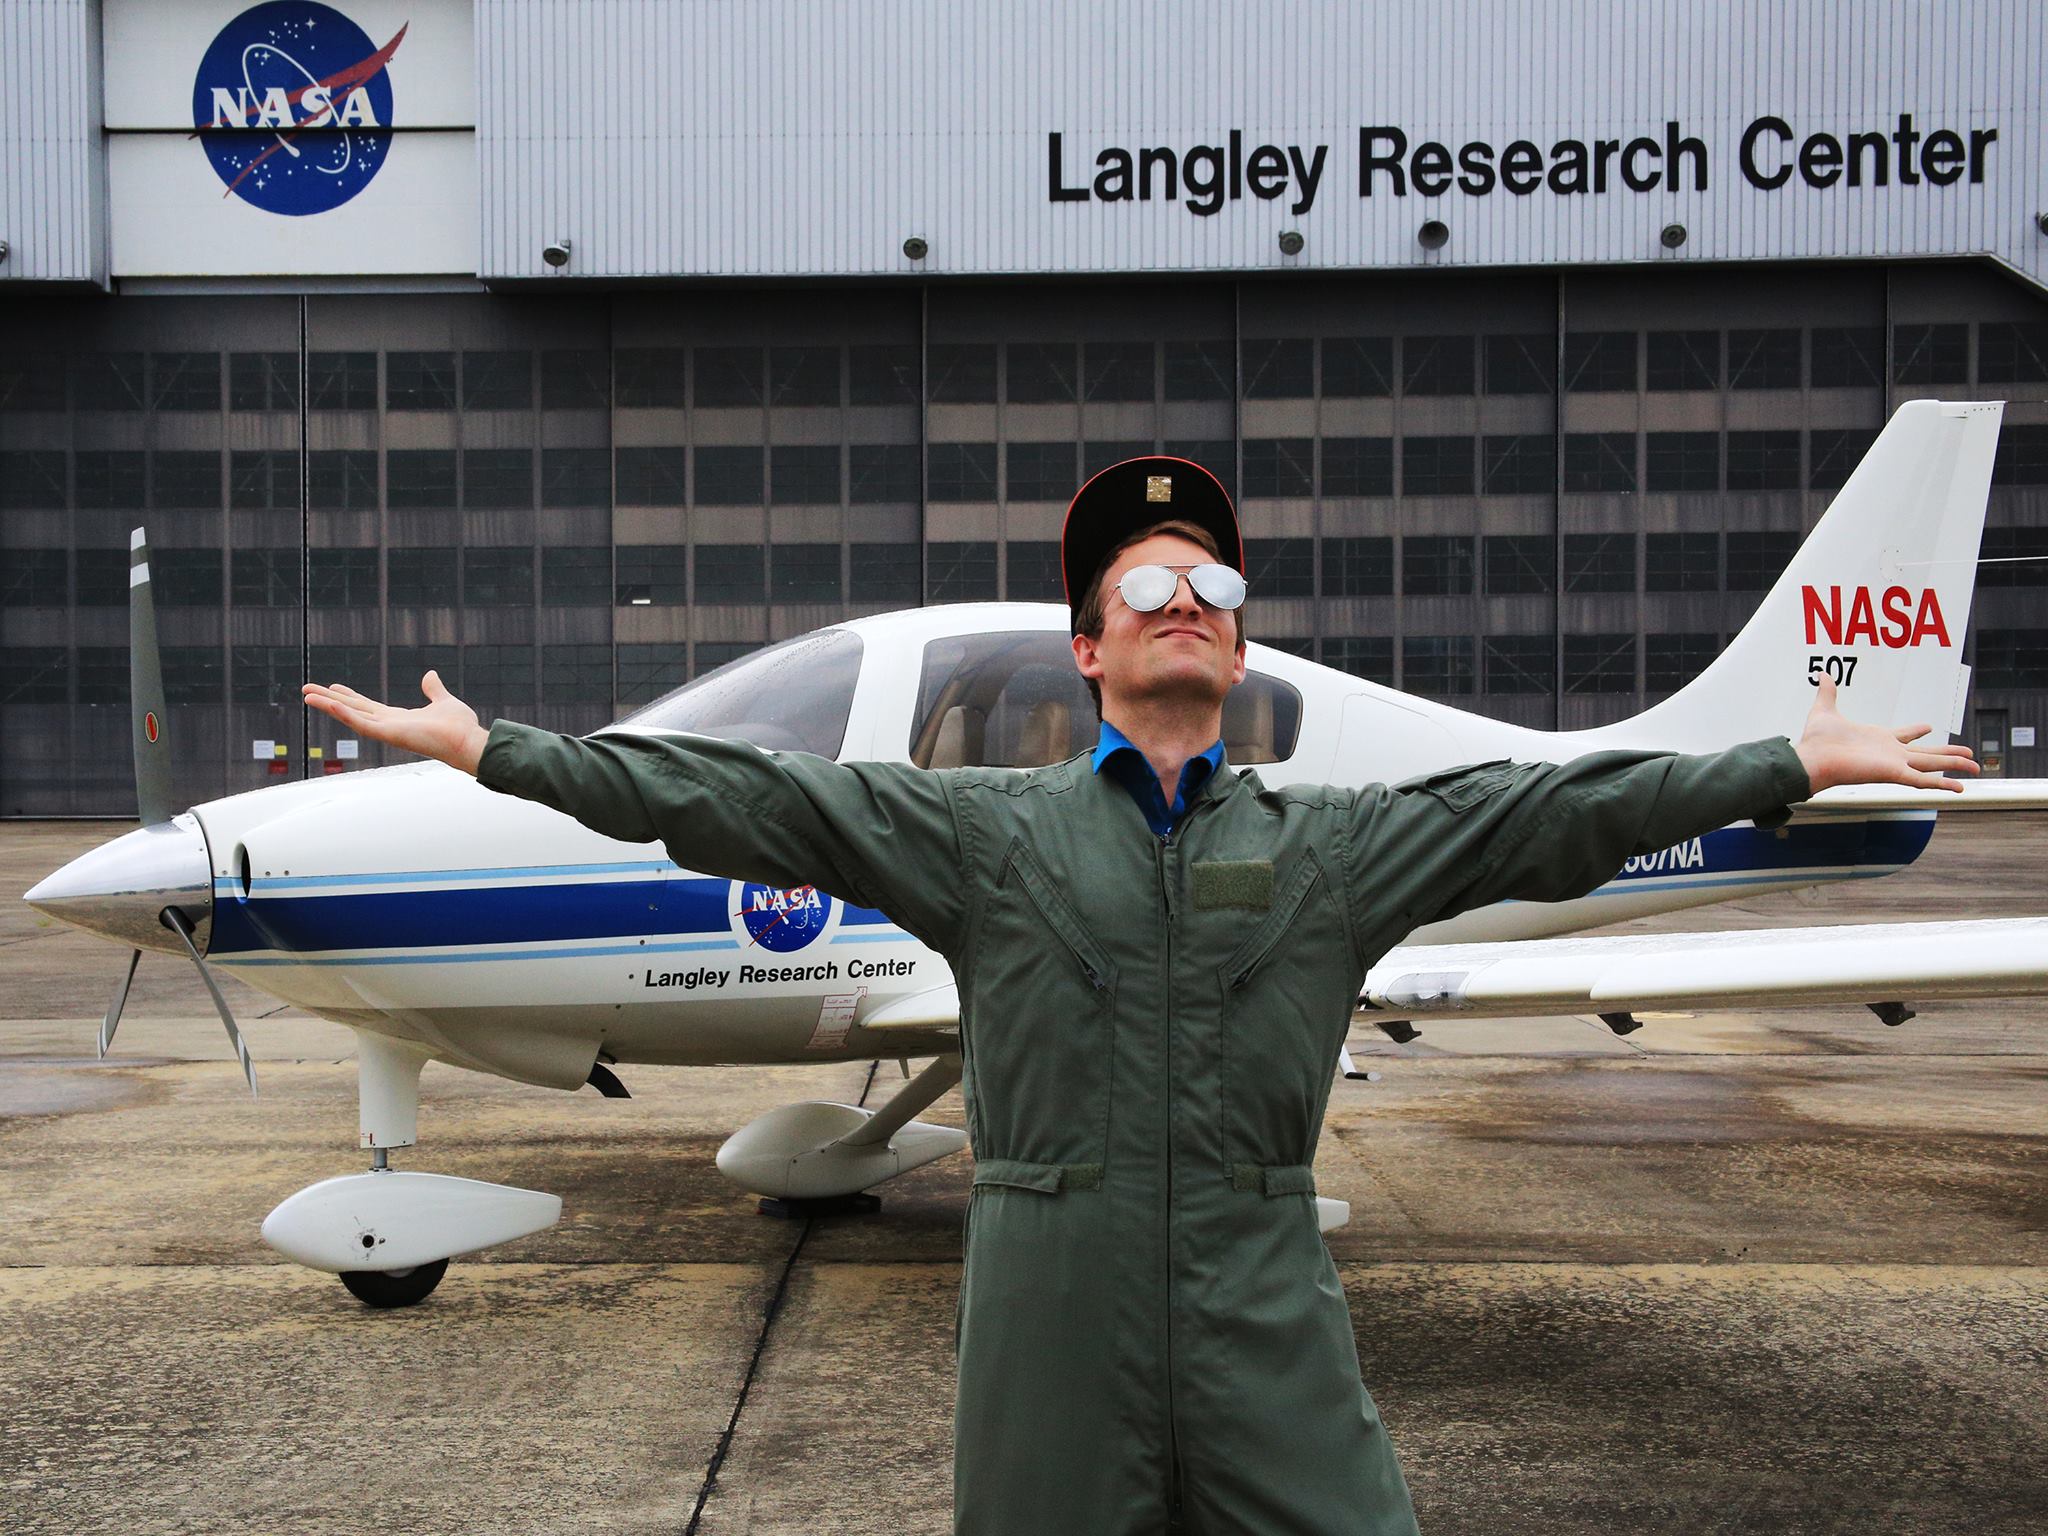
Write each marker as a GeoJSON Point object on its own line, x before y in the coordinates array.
{"type": "Point", "coordinates": [781, 918]}
{"type": "Point", "coordinates": [292, 104]}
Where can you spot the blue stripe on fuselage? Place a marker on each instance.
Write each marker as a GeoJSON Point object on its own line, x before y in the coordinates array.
{"type": "Point", "coordinates": [1810, 845]}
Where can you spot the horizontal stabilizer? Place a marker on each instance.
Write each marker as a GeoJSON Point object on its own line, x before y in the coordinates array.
{"type": "Point", "coordinates": [1977, 795]}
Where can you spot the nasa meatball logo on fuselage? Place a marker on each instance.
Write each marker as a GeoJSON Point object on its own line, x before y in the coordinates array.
{"type": "Point", "coordinates": [779, 918]}
{"type": "Point", "coordinates": [292, 104]}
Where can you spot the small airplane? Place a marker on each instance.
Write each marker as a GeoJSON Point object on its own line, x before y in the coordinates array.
{"type": "Point", "coordinates": [442, 921]}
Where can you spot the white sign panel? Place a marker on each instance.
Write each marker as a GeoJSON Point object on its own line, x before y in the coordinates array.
{"type": "Point", "coordinates": [2023, 735]}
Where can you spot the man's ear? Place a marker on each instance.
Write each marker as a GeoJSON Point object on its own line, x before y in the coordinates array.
{"type": "Point", "coordinates": [1237, 671]}
{"type": "Point", "coordinates": [1088, 656]}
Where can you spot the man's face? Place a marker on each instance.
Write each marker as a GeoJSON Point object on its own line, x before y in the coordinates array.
{"type": "Point", "coordinates": [1185, 650]}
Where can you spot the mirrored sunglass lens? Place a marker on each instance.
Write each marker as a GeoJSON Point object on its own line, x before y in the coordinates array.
{"type": "Point", "coordinates": [1218, 586]}
{"type": "Point", "coordinates": [1146, 587]}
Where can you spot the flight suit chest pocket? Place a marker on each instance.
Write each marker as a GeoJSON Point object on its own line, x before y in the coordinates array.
{"type": "Point", "coordinates": [1044, 995]}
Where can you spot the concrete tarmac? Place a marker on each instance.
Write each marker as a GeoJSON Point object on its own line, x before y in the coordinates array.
{"type": "Point", "coordinates": [1782, 1272]}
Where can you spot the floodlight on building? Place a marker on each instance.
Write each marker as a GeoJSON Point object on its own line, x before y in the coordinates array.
{"type": "Point", "coordinates": [1673, 236]}
{"type": "Point", "coordinates": [555, 253]}
{"type": "Point", "coordinates": [1291, 242]}
{"type": "Point", "coordinates": [916, 248]}
{"type": "Point", "coordinates": [1434, 235]}
{"type": "Point", "coordinates": [2040, 223]}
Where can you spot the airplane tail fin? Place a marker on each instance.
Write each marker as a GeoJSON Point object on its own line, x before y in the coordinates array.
{"type": "Point", "coordinates": [1878, 597]}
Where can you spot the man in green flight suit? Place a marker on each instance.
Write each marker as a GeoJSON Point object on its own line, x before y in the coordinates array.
{"type": "Point", "coordinates": [1154, 990]}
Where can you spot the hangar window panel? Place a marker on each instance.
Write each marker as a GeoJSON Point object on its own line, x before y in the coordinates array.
{"type": "Point", "coordinates": [34, 674]}
{"type": "Point", "coordinates": [497, 576]}
{"type": "Point", "coordinates": [1039, 471]}
{"type": "Point", "coordinates": [497, 477]}
{"type": "Point", "coordinates": [1847, 356]}
{"type": "Point", "coordinates": [1358, 466]}
{"type": "Point", "coordinates": [410, 663]}
{"type": "Point", "coordinates": [1763, 461]}
{"type": "Point", "coordinates": [729, 377]}
{"type": "Point", "coordinates": [194, 674]}
{"type": "Point", "coordinates": [1438, 365]}
{"type": "Point", "coordinates": [265, 578]}
{"type": "Point", "coordinates": [656, 575]}
{"type": "Point", "coordinates": [1599, 562]}
{"type": "Point", "coordinates": [1599, 360]}
{"type": "Point", "coordinates": [1117, 370]}
{"type": "Point", "coordinates": [420, 477]}
{"type": "Point", "coordinates": [498, 674]}
{"type": "Point", "coordinates": [342, 479]}
{"type": "Point", "coordinates": [265, 674]}
{"type": "Point", "coordinates": [653, 477]}
{"type": "Point", "coordinates": [1600, 663]}
{"type": "Point", "coordinates": [1279, 466]}
{"type": "Point", "coordinates": [1199, 370]}
{"type": "Point", "coordinates": [102, 577]}
{"type": "Point", "coordinates": [800, 475]}
{"type": "Point", "coordinates": [962, 572]}
{"type": "Point", "coordinates": [962, 372]}
{"type": "Point", "coordinates": [1280, 567]}
{"type": "Point", "coordinates": [2010, 352]}
{"type": "Point", "coordinates": [1437, 664]}
{"type": "Point", "coordinates": [576, 674]}
{"type": "Point", "coordinates": [2023, 551]}
{"type": "Point", "coordinates": [1303, 646]}
{"type": "Point", "coordinates": [575, 379]}
{"type": "Point", "coordinates": [716, 655]}
{"type": "Point", "coordinates": [419, 381]}
{"type": "Point", "coordinates": [1359, 567]}
{"type": "Point", "coordinates": [1277, 369]}
{"type": "Point", "coordinates": [2012, 658]}
{"type": "Point", "coordinates": [1682, 562]}
{"type": "Point", "coordinates": [267, 479]}
{"type": "Point", "coordinates": [883, 472]}
{"type": "Point", "coordinates": [963, 471]}
{"type": "Point", "coordinates": [650, 377]}
{"type": "Point", "coordinates": [1034, 571]}
{"type": "Point", "coordinates": [1682, 461]}
{"type": "Point", "coordinates": [353, 665]}
{"type": "Point", "coordinates": [1520, 464]}
{"type": "Point", "coordinates": [803, 375]}
{"type": "Point", "coordinates": [1368, 656]}
{"type": "Point", "coordinates": [1436, 565]}
{"type": "Point", "coordinates": [497, 381]}
{"type": "Point", "coordinates": [1096, 457]}
{"type": "Point", "coordinates": [422, 577]}
{"type": "Point", "coordinates": [342, 578]}
{"type": "Point", "coordinates": [106, 381]}
{"type": "Point", "coordinates": [581, 477]}
{"type": "Point", "coordinates": [1358, 367]}
{"type": "Point", "coordinates": [103, 674]}
{"type": "Point", "coordinates": [1836, 455]}
{"type": "Point", "coordinates": [794, 696]}
{"type": "Point", "coordinates": [1930, 354]}
{"type": "Point", "coordinates": [1042, 372]}
{"type": "Point", "coordinates": [184, 381]}
{"type": "Point", "coordinates": [884, 375]}
{"type": "Point", "coordinates": [731, 573]}
{"type": "Point", "coordinates": [1600, 461]}
{"type": "Point", "coordinates": [886, 573]}
{"type": "Point", "coordinates": [1763, 359]}
{"type": "Point", "coordinates": [1520, 365]}
{"type": "Point", "coordinates": [263, 381]}
{"type": "Point", "coordinates": [1518, 663]}
{"type": "Point", "coordinates": [31, 381]}
{"type": "Point", "coordinates": [33, 480]}
{"type": "Point", "coordinates": [805, 573]}
{"type": "Point", "coordinates": [341, 381]}
{"type": "Point", "coordinates": [2022, 457]}
{"type": "Point", "coordinates": [1519, 563]}
{"type": "Point", "coordinates": [729, 477]}
{"type": "Point", "coordinates": [1756, 560]}
{"type": "Point", "coordinates": [1217, 455]}
{"type": "Point", "coordinates": [1436, 466]}
{"type": "Point", "coordinates": [187, 578]}
{"type": "Point", "coordinates": [108, 479]}
{"type": "Point", "coordinates": [1681, 360]}
{"type": "Point", "coordinates": [35, 578]}
{"type": "Point", "coordinates": [1672, 661]}
{"type": "Point", "coordinates": [186, 478]}
{"type": "Point", "coordinates": [646, 672]}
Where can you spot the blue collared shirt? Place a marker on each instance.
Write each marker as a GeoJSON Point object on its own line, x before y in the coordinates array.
{"type": "Point", "coordinates": [1128, 766]}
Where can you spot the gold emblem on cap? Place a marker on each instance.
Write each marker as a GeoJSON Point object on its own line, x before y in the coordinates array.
{"type": "Point", "coordinates": [1159, 487]}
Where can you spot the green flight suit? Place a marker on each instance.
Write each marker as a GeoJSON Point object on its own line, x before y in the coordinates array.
{"type": "Point", "coordinates": [1150, 1032]}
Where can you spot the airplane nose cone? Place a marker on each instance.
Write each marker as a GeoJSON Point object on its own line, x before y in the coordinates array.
{"type": "Point", "coordinates": [117, 890]}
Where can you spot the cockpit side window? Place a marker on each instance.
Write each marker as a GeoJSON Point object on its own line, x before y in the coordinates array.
{"type": "Point", "coordinates": [795, 696]}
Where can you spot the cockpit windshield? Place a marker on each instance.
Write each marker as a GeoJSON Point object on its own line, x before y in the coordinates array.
{"type": "Point", "coordinates": [794, 697]}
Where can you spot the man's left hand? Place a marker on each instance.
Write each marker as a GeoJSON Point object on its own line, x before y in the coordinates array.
{"type": "Point", "coordinates": [1837, 750]}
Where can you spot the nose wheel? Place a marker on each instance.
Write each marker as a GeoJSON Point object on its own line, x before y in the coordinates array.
{"type": "Point", "coordinates": [394, 1287]}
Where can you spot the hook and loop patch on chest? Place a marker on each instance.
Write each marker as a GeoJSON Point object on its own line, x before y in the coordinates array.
{"type": "Point", "coordinates": [1246, 884]}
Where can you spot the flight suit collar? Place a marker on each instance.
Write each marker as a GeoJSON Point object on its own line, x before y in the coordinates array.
{"type": "Point", "coordinates": [1119, 757]}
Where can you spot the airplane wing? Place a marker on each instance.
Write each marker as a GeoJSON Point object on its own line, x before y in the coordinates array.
{"type": "Point", "coordinates": [1977, 795]}
{"type": "Point", "coordinates": [937, 1009]}
{"type": "Point", "coordinates": [1875, 963]}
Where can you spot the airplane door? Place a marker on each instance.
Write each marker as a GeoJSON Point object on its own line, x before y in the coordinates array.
{"type": "Point", "coordinates": [1992, 730]}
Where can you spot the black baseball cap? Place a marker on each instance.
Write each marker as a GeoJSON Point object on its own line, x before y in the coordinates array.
{"type": "Point", "coordinates": [1116, 502]}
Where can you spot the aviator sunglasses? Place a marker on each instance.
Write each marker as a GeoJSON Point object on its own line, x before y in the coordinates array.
{"type": "Point", "coordinates": [1148, 588]}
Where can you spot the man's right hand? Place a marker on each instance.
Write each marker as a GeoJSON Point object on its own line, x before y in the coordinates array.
{"type": "Point", "coordinates": [445, 728]}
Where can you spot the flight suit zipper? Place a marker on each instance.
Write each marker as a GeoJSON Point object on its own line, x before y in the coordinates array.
{"type": "Point", "coordinates": [1173, 1497]}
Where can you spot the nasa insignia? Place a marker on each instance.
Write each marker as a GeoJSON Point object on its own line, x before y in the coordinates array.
{"type": "Point", "coordinates": [779, 918]}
